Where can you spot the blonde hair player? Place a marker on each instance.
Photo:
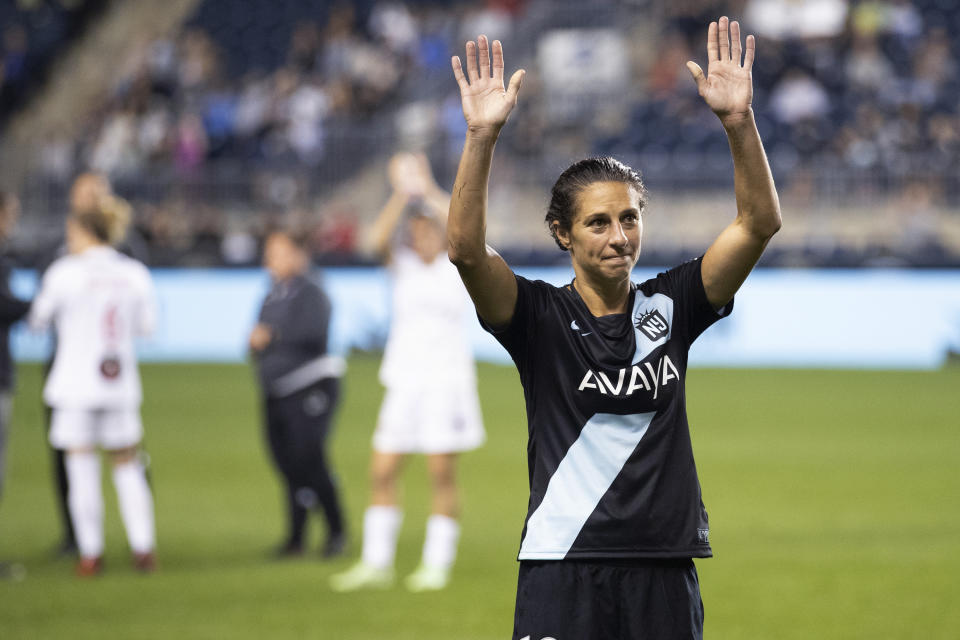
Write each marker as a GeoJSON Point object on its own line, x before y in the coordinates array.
{"type": "Point", "coordinates": [99, 301]}
{"type": "Point", "coordinates": [431, 405]}
{"type": "Point", "coordinates": [615, 516]}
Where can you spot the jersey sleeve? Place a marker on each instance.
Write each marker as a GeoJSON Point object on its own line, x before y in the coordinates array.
{"type": "Point", "coordinates": [684, 283]}
{"type": "Point", "coordinates": [518, 337]}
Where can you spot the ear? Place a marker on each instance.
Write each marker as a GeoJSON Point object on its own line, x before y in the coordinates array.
{"type": "Point", "coordinates": [562, 235]}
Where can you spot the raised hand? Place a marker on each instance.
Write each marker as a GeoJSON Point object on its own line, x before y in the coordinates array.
{"type": "Point", "coordinates": [486, 105]}
{"type": "Point", "coordinates": [727, 87]}
{"type": "Point", "coordinates": [407, 175]}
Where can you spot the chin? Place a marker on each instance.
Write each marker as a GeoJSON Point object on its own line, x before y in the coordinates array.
{"type": "Point", "coordinates": [617, 271]}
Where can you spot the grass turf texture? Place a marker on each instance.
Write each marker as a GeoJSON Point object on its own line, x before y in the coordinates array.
{"type": "Point", "coordinates": [833, 496]}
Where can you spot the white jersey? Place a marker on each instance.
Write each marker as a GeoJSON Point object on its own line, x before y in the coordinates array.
{"type": "Point", "coordinates": [428, 342]}
{"type": "Point", "coordinates": [99, 300]}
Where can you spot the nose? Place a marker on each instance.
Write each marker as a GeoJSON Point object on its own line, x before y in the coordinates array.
{"type": "Point", "coordinates": [618, 237]}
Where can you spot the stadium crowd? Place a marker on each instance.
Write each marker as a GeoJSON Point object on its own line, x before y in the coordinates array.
{"type": "Point", "coordinates": [33, 33]}
{"type": "Point", "coordinates": [243, 117]}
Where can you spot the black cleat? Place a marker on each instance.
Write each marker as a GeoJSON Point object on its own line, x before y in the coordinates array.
{"type": "Point", "coordinates": [287, 550]}
{"type": "Point", "coordinates": [335, 546]}
{"type": "Point", "coordinates": [66, 549]}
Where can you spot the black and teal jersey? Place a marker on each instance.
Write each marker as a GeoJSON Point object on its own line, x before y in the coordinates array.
{"type": "Point", "coordinates": [611, 465]}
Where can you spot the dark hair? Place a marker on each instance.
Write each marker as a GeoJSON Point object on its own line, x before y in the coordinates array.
{"type": "Point", "coordinates": [296, 235]}
{"type": "Point", "coordinates": [578, 176]}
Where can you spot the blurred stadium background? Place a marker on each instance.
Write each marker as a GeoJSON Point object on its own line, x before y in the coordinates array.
{"type": "Point", "coordinates": [833, 493]}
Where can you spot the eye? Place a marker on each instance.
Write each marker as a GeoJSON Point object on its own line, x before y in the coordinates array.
{"type": "Point", "coordinates": [596, 222]}
{"type": "Point", "coordinates": [631, 218]}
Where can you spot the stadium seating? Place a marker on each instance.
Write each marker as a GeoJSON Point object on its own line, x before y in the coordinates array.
{"type": "Point", "coordinates": [285, 104]}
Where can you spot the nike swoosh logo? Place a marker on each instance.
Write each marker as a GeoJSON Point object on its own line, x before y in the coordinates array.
{"type": "Point", "coordinates": [587, 334]}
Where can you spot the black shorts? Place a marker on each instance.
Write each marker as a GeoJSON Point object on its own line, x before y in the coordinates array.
{"type": "Point", "coordinates": [608, 600]}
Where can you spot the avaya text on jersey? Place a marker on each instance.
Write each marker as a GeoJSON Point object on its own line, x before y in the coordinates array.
{"type": "Point", "coordinates": [663, 373]}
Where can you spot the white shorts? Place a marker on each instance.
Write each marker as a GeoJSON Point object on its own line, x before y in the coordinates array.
{"type": "Point", "coordinates": [429, 420]}
{"type": "Point", "coordinates": [86, 428]}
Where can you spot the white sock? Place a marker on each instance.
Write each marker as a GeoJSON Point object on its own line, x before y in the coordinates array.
{"type": "Point", "coordinates": [440, 546]}
{"type": "Point", "coordinates": [380, 528]}
{"type": "Point", "coordinates": [136, 505]}
{"type": "Point", "coordinates": [85, 500]}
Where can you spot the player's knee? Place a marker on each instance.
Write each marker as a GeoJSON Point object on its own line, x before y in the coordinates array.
{"type": "Point", "coordinates": [383, 479]}
{"type": "Point", "coordinates": [123, 456]}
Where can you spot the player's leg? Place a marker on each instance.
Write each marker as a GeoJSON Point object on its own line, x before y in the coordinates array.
{"type": "Point", "coordinates": [73, 431]}
{"type": "Point", "coordinates": [317, 407]}
{"type": "Point", "coordinates": [68, 543]}
{"type": "Point", "coordinates": [567, 599]}
{"type": "Point", "coordinates": [283, 449]}
{"type": "Point", "coordinates": [381, 522]}
{"type": "Point", "coordinates": [668, 595]}
{"type": "Point", "coordinates": [121, 432]}
{"type": "Point", "coordinates": [85, 501]}
{"type": "Point", "coordinates": [443, 528]}
{"type": "Point", "coordinates": [452, 423]}
{"type": "Point", "coordinates": [381, 526]}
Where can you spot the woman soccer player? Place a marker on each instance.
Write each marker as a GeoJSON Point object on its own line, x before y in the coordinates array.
{"type": "Point", "coordinates": [99, 300]}
{"type": "Point", "coordinates": [431, 404]}
{"type": "Point", "coordinates": [615, 515]}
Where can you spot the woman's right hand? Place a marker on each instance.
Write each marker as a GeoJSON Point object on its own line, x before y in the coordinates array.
{"type": "Point", "coordinates": [486, 105]}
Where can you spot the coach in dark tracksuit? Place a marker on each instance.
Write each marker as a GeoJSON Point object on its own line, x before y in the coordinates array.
{"type": "Point", "coordinates": [301, 387]}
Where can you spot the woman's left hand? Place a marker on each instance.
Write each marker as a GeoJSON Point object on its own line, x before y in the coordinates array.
{"type": "Point", "coordinates": [260, 337]}
{"type": "Point", "coordinates": [727, 87]}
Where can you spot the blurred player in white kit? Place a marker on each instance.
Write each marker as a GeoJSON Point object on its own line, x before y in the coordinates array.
{"type": "Point", "coordinates": [431, 405]}
{"type": "Point", "coordinates": [99, 301]}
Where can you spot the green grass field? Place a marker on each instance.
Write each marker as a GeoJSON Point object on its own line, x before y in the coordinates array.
{"type": "Point", "coordinates": [834, 500]}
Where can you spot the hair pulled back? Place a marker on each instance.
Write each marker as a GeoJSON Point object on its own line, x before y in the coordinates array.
{"type": "Point", "coordinates": [294, 234]}
{"type": "Point", "coordinates": [108, 221]}
{"type": "Point", "coordinates": [578, 176]}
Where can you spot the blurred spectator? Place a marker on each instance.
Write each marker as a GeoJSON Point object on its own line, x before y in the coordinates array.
{"type": "Point", "coordinates": [394, 25]}
{"type": "Point", "coordinates": [785, 19]}
{"type": "Point", "coordinates": [13, 63]}
{"type": "Point", "coordinates": [307, 108]}
{"type": "Point", "coordinates": [190, 144]}
{"type": "Point", "coordinates": [268, 113]}
{"type": "Point", "coordinates": [799, 97]}
{"type": "Point", "coordinates": [239, 247]}
{"type": "Point", "coordinates": [867, 69]}
{"type": "Point", "coordinates": [667, 71]}
{"type": "Point", "coordinates": [304, 47]}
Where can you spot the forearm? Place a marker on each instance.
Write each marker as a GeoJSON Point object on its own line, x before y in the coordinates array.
{"type": "Point", "coordinates": [758, 207]}
{"type": "Point", "coordinates": [437, 202]}
{"type": "Point", "coordinates": [467, 220]}
{"type": "Point", "coordinates": [297, 335]}
{"type": "Point", "coordinates": [386, 223]}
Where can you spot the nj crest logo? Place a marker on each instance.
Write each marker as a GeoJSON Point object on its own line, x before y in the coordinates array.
{"type": "Point", "coordinates": [652, 324]}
